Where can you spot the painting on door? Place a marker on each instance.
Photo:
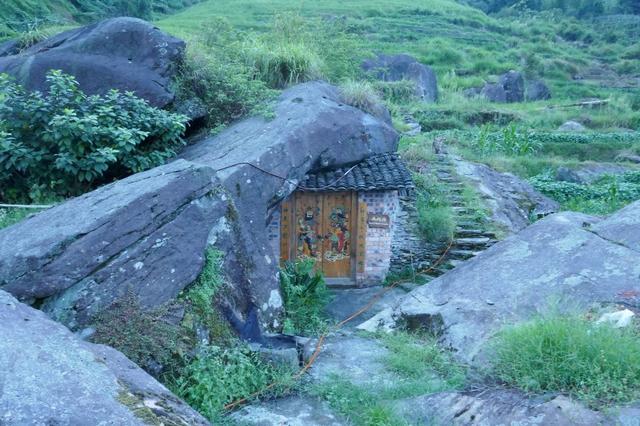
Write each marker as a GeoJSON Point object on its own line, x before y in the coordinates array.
{"type": "Point", "coordinates": [324, 231]}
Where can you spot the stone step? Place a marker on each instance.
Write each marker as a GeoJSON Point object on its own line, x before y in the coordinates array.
{"type": "Point", "coordinates": [472, 233]}
{"type": "Point", "coordinates": [462, 254]}
{"type": "Point", "coordinates": [472, 241]}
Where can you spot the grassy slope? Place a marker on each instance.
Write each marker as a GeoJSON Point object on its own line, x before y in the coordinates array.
{"type": "Point", "coordinates": [450, 36]}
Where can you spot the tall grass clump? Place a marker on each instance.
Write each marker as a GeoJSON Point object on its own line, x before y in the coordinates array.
{"type": "Point", "coordinates": [360, 94]}
{"type": "Point", "coordinates": [596, 363]}
{"type": "Point", "coordinates": [286, 55]}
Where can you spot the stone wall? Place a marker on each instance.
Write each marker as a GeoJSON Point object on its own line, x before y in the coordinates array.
{"type": "Point", "coordinates": [379, 240]}
{"type": "Point", "coordinates": [409, 250]}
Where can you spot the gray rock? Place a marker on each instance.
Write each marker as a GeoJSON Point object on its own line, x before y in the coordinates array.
{"type": "Point", "coordinates": [312, 129]}
{"type": "Point", "coordinates": [49, 376]}
{"type": "Point", "coordinates": [289, 411]}
{"type": "Point", "coordinates": [9, 47]}
{"type": "Point", "coordinates": [513, 202]}
{"type": "Point", "coordinates": [495, 408]}
{"type": "Point", "coordinates": [513, 84]}
{"type": "Point", "coordinates": [588, 173]}
{"type": "Point", "coordinates": [572, 126]}
{"type": "Point", "coordinates": [405, 67]}
{"type": "Point", "coordinates": [630, 158]}
{"type": "Point", "coordinates": [472, 92]}
{"type": "Point", "coordinates": [120, 53]}
{"type": "Point", "coordinates": [568, 261]}
{"type": "Point", "coordinates": [494, 92]}
{"type": "Point", "coordinates": [149, 232]}
{"type": "Point", "coordinates": [537, 90]}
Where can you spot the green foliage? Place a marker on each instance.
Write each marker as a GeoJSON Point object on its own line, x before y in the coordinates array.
{"type": "Point", "coordinates": [218, 376]}
{"type": "Point", "coordinates": [21, 14]}
{"type": "Point", "coordinates": [305, 294]}
{"type": "Point", "coordinates": [596, 363]}
{"type": "Point", "coordinates": [417, 357]}
{"type": "Point", "coordinates": [603, 196]}
{"type": "Point", "coordinates": [201, 297]}
{"type": "Point", "coordinates": [436, 220]}
{"type": "Point", "coordinates": [360, 94]}
{"type": "Point", "coordinates": [397, 92]}
{"type": "Point", "coordinates": [65, 142]}
{"type": "Point", "coordinates": [144, 336]}
{"type": "Point", "coordinates": [10, 216]}
{"type": "Point", "coordinates": [509, 140]}
{"type": "Point", "coordinates": [286, 55]}
{"type": "Point", "coordinates": [218, 77]}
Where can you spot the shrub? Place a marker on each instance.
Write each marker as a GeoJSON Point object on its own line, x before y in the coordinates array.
{"type": "Point", "coordinates": [596, 363]}
{"type": "Point", "coordinates": [399, 92]}
{"type": "Point", "coordinates": [65, 142]}
{"type": "Point", "coordinates": [360, 94]}
{"type": "Point", "coordinates": [305, 294]}
{"type": "Point", "coordinates": [218, 376]}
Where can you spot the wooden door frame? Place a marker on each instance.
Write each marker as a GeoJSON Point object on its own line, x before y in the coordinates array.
{"type": "Point", "coordinates": [288, 249]}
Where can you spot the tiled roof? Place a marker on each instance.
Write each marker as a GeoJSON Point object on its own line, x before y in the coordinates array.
{"type": "Point", "coordinates": [381, 172]}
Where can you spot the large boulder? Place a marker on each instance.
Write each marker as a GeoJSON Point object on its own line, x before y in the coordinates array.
{"type": "Point", "coordinates": [148, 233]}
{"type": "Point", "coordinates": [49, 376]}
{"type": "Point", "coordinates": [513, 202]}
{"type": "Point", "coordinates": [404, 67]}
{"type": "Point", "coordinates": [537, 90]}
{"type": "Point", "coordinates": [567, 261]}
{"type": "Point", "coordinates": [513, 84]}
{"type": "Point", "coordinates": [494, 92]}
{"type": "Point", "coordinates": [128, 54]}
{"type": "Point", "coordinates": [261, 162]}
{"type": "Point", "coordinates": [589, 172]}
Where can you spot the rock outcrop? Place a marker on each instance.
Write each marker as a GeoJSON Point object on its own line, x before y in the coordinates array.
{"type": "Point", "coordinates": [567, 261]}
{"type": "Point", "coordinates": [128, 54]}
{"type": "Point", "coordinates": [496, 407]}
{"type": "Point", "coordinates": [49, 376]}
{"type": "Point", "coordinates": [510, 88]}
{"type": "Point", "coordinates": [571, 126]}
{"type": "Point", "coordinates": [513, 202]}
{"type": "Point", "coordinates": [589, 172]}
{"type": "Point", "coordinates": [405, 67]}
{"type": "Point", "coordinates": [537, 90]}
{"type": "Point", "coordinates": [148, 233]}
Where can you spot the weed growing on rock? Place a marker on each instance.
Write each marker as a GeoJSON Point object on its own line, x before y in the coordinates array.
{"type": "Point", "coordinates": [305, 294]}
{"type": "Point", "coordinates": [145, 337]}
{"type": "Point", "coordinates": [596, 363]}
{"type": "Point", "coordinates": [360, 94]}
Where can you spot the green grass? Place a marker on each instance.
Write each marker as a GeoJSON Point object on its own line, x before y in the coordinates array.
{"type": "Point", "coordinates": [420, 367]}
{"type": "Point", "coordinates": [596, 363]}
{"type": "Point", "coordinates": [464, 46]}
{"type": "Point", "coordinates": [10, 216]}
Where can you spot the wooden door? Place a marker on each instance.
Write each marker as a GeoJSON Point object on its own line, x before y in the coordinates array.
{"type": "Point", "coordinates": [324, 226]}
{"type": "Point", "coordinates": [337, 231]}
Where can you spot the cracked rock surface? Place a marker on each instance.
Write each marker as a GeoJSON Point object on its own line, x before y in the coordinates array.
{"type": "Point", "coordinates": [567, 261]}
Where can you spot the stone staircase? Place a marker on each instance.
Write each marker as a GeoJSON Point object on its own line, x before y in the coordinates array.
{"type": "Point", "coordinates": [471, 235]}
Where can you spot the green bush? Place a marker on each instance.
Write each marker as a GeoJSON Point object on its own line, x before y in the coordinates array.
{"type": "Point", "coordinates": [218, 376]}
{"type": "Point", "coordinates": [64, 142]}
{"type": "Point", "coordinates": [436, 223]}
{"type": "Point", "coordinates": [596, 363]}
{"type": "Point", "coordinates": [305, 294]}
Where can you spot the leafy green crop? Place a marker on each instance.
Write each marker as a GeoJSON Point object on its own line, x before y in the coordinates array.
{"type": "Point", "coordinates": [65, 142]}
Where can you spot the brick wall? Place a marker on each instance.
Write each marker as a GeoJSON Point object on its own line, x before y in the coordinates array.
{"type": "Point", "coordinates": [379, 240]}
